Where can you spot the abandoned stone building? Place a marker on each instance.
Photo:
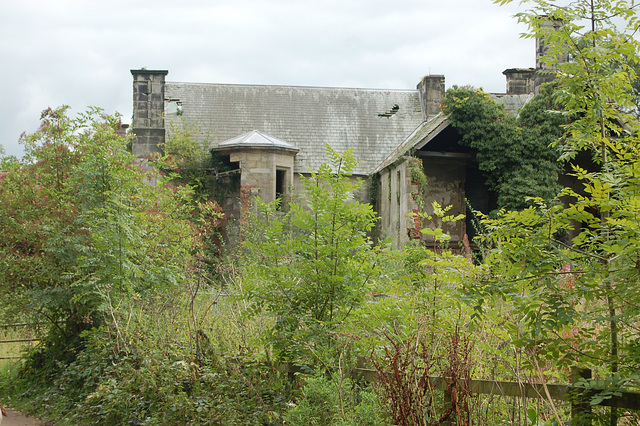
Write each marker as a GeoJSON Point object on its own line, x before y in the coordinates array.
{"type": "Point", "coordinates": [269, 136]}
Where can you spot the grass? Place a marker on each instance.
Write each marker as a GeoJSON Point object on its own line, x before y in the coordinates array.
{"type": "Point", "coordinates": [9, 367]}
{"type": "Point", "coordinates": [163, 332]}
{"type": "Point", "coordinates": [13, 349]}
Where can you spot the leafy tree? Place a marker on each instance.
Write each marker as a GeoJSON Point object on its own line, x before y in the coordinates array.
{"type": "Point", "coordinates": [186, 162]}
{"type": "Point", "coordinates": [317, 260]}
{"type": "Point", "coordinates": [579, 301]}
{"type": "Point", "coordinates": [84, 228]}
{"type": "Point", "coordinates": [595, 85]}
{"type": "Point", "coordinates": [315, 263]}
{"type": "Point", "coordinates": [8, 162]}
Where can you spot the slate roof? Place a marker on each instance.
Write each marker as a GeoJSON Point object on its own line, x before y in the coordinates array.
{"type": "Point", "coordinates": [372, 122]}
{"type": "Point", "coordinates": [422, 135]}
{"type": "Point", "coordinates": [512, 103]}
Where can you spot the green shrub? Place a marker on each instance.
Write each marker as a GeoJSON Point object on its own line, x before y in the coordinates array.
{"type": "Point", "coordinates": [323, 402]}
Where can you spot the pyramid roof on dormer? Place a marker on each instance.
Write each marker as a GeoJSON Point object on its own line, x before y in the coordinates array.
{"type": "Point", "coordinates": [256, 139]}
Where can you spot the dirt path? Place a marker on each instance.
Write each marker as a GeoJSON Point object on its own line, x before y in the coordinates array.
{"type": "Point", "coordinates": [15, 418]}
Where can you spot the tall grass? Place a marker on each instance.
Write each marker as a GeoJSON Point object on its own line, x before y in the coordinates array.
{"type": "Point", "coordinates": [13, 349]}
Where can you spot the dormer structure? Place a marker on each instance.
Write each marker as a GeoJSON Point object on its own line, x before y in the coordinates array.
{"type": "Point", "coordinates": [265, 163]}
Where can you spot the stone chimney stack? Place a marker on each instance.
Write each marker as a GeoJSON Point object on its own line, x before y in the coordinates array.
{"type": "Point", "coordinates": [520, 81]}
{"type": "Point", "coordinates": [546, 73]}
{"type": "Point", "coordinates": [431, 91]}
{"type": "Point", "coordinates": [148, 111]}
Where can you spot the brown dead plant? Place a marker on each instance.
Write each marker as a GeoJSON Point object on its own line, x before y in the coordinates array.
{"type": "Point", "coordinates": [425, 380]}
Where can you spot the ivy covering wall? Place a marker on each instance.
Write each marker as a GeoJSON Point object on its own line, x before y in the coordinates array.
{"type": "Point", "coordinates": [515, 154]}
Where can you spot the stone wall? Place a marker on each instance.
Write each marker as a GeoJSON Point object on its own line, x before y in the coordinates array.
{"type": "Point", "coordinates": [258, 174]}
{"type": "Point", "coordinates": [446, 185]}
{"type": "Point", "coordinates": [395, 203]}
{"type": "Point", "coordinates": [398, 198]}
{"type": "Point", "coordinates": [520, 81]}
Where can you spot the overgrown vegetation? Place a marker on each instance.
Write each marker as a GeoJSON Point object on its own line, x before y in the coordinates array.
{"type": "Point", "coordinates": [314, 262]}
{"type": "Point", "coordinates": [138, 332]}
{"type": "Point", "coordinates": [82, 231]}
{"type": "Point", "coordinates": [187, 162]}
{"type": "Point", "coordinates": [515, 155]}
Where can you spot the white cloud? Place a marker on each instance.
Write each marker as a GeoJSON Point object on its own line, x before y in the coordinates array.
{"type": "Point", "coordinates": [79, 52]}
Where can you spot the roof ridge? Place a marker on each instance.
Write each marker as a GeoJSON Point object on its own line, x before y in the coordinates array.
{"type": "Point", "coordinates": [295, 86]}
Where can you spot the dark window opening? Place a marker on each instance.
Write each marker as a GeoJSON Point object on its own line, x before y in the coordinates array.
{"type": "Point", "coordinates": [280, 183]}
{"type": "Point", "coordinates": [222, 164]}
{"type": "Point", "coordinates": [478, 197]}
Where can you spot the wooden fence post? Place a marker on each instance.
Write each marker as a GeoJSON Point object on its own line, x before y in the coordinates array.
{"type": "Point", "coordinates": [580, 406]}
{"type": "Point", "coordinates": [448, 401]}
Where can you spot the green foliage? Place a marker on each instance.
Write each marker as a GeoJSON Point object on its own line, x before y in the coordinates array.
{"type": "Point", "coordinates": [163, 386]}
{"type": "Point", "coordinates": [307, 278]}
{"type": "Point", "coordinates": [316, 259]}
{"type": "Point", "coordinates": [84, 229]}
{"type": "Point", "coordinates": [417, 171]}
{"type": "Point", "coordinates": [514, 154]}
{"type": "Point", "coordinates": [635, 90]}
{"type": "Point", "coordinates": [187, 161]}
{"type": "Point", "coordinates": [143, 368]}
{"type": "Point", "coordinates": [569, 273]}
{"type": "Point", "coordinates": [486, 127]}
{"type": "Point", "coordinates": [319, 405]}
{"type": "Point", "coordinates": [595, 86]}
{"type": "Point", "coordinates": [8, 163]}
{"type": "Point", "coordinates": [577, 301]}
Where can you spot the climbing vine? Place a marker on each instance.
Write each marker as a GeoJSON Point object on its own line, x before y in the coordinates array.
{"type": "Point", "coordinates": [514, 154]}
{"type": "Point", "coordinates": [416, 169]}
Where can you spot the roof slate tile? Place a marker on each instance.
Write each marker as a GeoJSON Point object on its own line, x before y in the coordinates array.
{"type": "Point", "coordinates": [307, 117]}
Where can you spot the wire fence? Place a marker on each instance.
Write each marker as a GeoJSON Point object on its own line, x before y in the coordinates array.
{"type": "Point", "coordinates": [16, 342]}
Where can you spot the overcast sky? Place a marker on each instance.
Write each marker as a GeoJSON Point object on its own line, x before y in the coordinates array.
{"type": "Point", "coordinates": [79, 52]}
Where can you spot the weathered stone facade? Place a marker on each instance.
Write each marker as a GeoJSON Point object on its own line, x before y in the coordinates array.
{"type": "Point", "coordinates": [265, 165]}
{"type": "Point", "coordinates": [431, 90]}
{"type": "Point", "coordinates": [396, 200]}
